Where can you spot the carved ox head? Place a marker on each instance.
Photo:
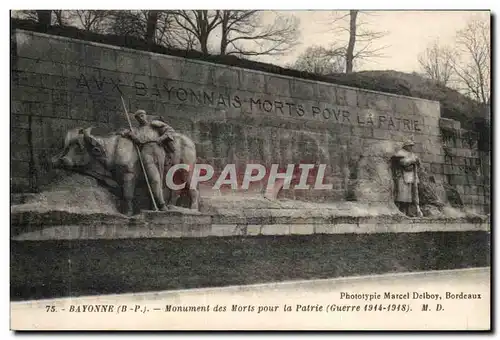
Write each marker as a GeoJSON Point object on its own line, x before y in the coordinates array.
{"type": "Point", "coordinates": [80, 149]}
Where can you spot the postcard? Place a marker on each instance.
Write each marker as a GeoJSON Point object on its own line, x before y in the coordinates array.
{"type": "Point", "coordinates": [250, 170]}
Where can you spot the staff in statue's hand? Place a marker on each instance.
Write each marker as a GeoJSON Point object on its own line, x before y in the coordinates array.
{"type": "Point", "coordinates": [416, 198]}
{"type": "Point", "coordinates": [130, 134]}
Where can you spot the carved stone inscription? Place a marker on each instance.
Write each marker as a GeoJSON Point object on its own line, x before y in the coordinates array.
{"type": "Point", "coordinates": [291, 108]}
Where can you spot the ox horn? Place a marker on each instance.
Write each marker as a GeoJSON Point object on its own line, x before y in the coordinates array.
{"type": "Point", "coordinates": [88, 138]}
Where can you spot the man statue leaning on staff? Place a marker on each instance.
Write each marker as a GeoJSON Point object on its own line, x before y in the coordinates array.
{"type": "Point", "coordinates": [406, 165]}
{"type": "Point", "coordinates": [155, 140]}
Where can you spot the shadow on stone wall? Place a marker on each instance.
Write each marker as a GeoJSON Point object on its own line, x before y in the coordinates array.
{"type": "Point", "coordinates": [370, 174]}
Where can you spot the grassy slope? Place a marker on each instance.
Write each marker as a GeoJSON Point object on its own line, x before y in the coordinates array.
{"type": "Point", "coordinates": [454, 105]}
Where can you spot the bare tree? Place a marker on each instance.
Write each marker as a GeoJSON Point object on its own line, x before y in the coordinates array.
{"type": "Point", "coordinates": [151, 24]}
{"type": "Point", "coordinates": [127, 23]}
{"type": "Point", "coordinates": [25, 14]}
{"type": "Point", "coordinates": [437, 62]}
{"type": "Point", "coordinates": [361, 40]}
{"type": "Point", "coordinates": [244, 34]}
{"type": "Point", "coordinates": [199, 24]}
{"type": "Point", "coordinates": [155, 27]}
{"type": "Point", "coordinates": [167, 33]}
{"type": "Point", "coordinates": [241, 32]}
{"type": "Point", "coordinates": [59, 17]}
{"type": "Point", "coordinates": [183, 39]}
{"type": "Point", "coordinates": [91, 20]}
{"type": "Point", "coordinates": [349, 55]}
{"type": "Point", "coordinates": [320, 60]}
{"type": "Point", "coordinates": [180, 38]}
{"type": "Point", "coordinates": [473, 64]}
{"type": "Point", "coordinates": [44, 17]}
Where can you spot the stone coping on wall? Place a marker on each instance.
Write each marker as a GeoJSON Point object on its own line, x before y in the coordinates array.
{"type": "Point", "coordinates": [151, 224]}
{"type": "Point", "coordinates": [231, 215]}
{"type": "Point", "coordinates": [37, 219]}
{"type": "Point", "coordinates": [119, 48]}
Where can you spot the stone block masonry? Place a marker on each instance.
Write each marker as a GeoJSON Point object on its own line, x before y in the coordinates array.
{"type": "Point", "coordinates": [234, 115]}
{"type": "Point", "coordinates": [466, 166]}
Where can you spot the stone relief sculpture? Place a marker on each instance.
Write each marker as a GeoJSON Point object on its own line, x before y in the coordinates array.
{"type": "Point", "coordinates": [382, 173]}
{"type": "Point", "coordinates": [373, 174]}
{"type": "Point", "coordinates": [113, 159]}
{"type": "Point", "coordinates": [155, 141]}
{"type": "Point", "coordinates": [406, 165]}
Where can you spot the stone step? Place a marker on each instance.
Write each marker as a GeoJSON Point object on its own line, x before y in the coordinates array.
{"type": "Point", "coordinates": [189, 227]}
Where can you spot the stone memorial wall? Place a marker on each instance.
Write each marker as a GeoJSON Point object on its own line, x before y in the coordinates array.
{"type": "Point", "coordinates": [234, 115]}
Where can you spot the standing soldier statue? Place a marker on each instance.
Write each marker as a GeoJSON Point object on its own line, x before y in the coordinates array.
{"type": "Point", "coordinates": [405, 169]}
{"type": "Point", "coordinates": [155, 141]}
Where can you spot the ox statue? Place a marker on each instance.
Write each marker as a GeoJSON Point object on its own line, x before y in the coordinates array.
{"type": "Point", "coordinates": [112, 158]}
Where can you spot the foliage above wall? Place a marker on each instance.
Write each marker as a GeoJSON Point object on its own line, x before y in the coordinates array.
{"type": "Point", "coordinates": [453, 104]}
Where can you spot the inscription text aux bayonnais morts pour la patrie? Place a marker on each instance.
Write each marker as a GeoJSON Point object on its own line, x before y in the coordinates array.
{"type": "Point", "coordinates": [336, 114]}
